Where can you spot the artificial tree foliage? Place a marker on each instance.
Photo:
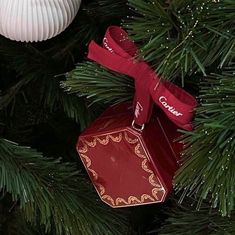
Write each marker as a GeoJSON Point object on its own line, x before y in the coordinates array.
{"type": "Point", "coordinates": [185, 220]}
{"type": "Point", "coordinates": [98, 84]}
{"type": "Point", "coordinates": [53, 194]}
{"type": "Point", "coordinates": [181, 38]}
{"type": "Point", "coordinates": [34, 111]}
{"type": "Point", "coordinates": [207, 169]}
{"type": "Point", "coordinates": [50, 92]}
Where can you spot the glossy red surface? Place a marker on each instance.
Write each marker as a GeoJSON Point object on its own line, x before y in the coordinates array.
{"type": "Point", "coordinates": [129, 167]}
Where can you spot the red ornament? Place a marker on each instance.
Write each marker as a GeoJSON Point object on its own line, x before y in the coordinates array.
{"type": "Point", "coordinates": [130, 155]}
{"type": "Point", "coordinates": [130, 167]}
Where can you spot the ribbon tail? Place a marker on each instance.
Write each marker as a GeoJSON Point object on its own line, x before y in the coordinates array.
{"type": "Point", "coordinates": [110, 60]}
{"type": "Point", "coordinates": [176, 103]}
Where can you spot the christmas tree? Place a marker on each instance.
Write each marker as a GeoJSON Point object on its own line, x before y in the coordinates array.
{"type": "Point", "coordinates": [51, 92]}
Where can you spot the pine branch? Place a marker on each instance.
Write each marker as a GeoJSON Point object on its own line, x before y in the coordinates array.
{"type": "Point", "coordinates": [43, 61]}
{"type": "Point", "coordinates": [75, 107]}
{"type": "Point", "coordinates": [29, 64]}
{"type": "Point", "coordinates": [25, 61]}
{"type": "Point", "coordinates": [185, 220]}
{"type": "Point", "coordinates": [98, 84]}
{"type": "Point", "coordinates": [183, 37]}
{"type": "Point", "coordinates": [41, 70]}
{"type": "Point", "coordinates": [54, 194]}
{"type": "Point", "coordinates": [208, 169]}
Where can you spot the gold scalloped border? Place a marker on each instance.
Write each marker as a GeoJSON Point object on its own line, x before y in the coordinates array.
{"type": "Point", "coordinates": [132, 200]}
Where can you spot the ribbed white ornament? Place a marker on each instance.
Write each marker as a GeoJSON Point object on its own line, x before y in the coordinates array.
{"type": "Point", "coordinates": [36, 20]}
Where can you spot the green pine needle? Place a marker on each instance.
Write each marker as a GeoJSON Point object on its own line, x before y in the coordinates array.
{"type": "Point", "coordinates": [185, 220]}
{"type": "Point", "coordinates": [99, 84]}
{"type": "Point", "coordinates": [180, 38]}
{"type": "Point", "coordinates": [53, 194]}
{"type": "Point", "coordinates": [208, 168]}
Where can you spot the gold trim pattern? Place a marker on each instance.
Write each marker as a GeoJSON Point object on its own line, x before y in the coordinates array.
{"type": "Point", "coordinates": [138, 153]}
{"type": "Point", "coordinates": [104, 141]}
{"type": "Point", "coordinates": [129, 140]}
{"type": "Point", "coordinates": [119, 201]}
{"type": "Point", "coordinates": [102, 189]}
{"type": "Point", "coordinates": [109, 198]}
{"type": "Point", "coordinates": [135, 200]}
{"type": "Point", "coordinates": [84, 149]}
{"type": "Point", "coordinates": [153, 181]}
{"type": "Point", "coordinates": [95, 175]}
{"type": "Point", "coordinates": [87, 159]}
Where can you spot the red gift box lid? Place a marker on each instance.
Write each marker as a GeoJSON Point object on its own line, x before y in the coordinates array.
{"type": "Point", "coordinates": [128, 167]}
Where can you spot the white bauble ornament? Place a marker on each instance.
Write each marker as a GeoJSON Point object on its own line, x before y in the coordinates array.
{"type": "Point", "coordinates": [36, 20]}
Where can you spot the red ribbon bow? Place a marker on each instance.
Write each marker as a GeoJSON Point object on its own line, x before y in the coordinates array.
{"type": "Point", "coordinates": [118, 53]}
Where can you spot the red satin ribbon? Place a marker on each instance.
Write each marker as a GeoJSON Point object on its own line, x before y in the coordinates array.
{"type": "Point", "coordinates": [118, 53]}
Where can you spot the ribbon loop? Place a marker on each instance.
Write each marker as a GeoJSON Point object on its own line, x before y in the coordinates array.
{"type": "Point", "coordinates": [119, 54]}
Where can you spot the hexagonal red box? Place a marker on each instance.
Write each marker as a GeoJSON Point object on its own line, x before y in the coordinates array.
{"type": "Point", "coordinates": [130, 167]}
